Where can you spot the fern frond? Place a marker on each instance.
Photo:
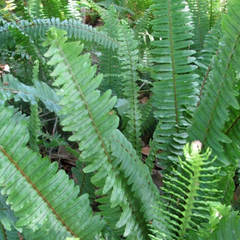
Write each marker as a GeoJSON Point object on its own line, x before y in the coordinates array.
{"type": "Point", "coordinates": [75, 29]}
{"type": "Point", "coordinates": [34, 127]}
{"type": "Point", "coordinates": [199, 10]}
{"type": "Point", "coordinates": [93, 127]}
{"type": "Point", "coordinates": [128, 58]}
{"type": "Point", "coordinates": [228, 227]}
{"type": "Point", "coordinates": [54, 8]}
{"type": "Point", "coordinates": [175, 86]}
{"type": "Point", "coordinates": [73, 9]}
{"type": "Point", "coordinates": [108, 61]}
{"type": "Point", "coordinates": [84, 180]}
{"type": "Point", "coordinates": [139, 186]}
{"type": "Point", "coordinates": [8, 219]}
{"type": "Point", "coordinates": [11, 88]}
{"type": "Point", "coordinates": [212, 112]}
{"type": "Point", "coordinates": [6, 234]}
{"type": "Point", "coordinates": [35, 8]}
{"type": "Point", "coordinates": [204, 60]}
{"type": "Point", "coordinates": [187, 198]}
{"type": "Point", "coordinates": [32, 186]}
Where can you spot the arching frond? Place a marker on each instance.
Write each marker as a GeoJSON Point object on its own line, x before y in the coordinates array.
{"type": "Point", "coordinates": [75, 29]}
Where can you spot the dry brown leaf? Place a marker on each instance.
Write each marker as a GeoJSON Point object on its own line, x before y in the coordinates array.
{"type": "Point", "coordinates": [145, 150]}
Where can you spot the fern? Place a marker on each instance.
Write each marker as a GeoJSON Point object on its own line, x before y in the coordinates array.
{"type": "Point", "coordinates": [92, 126]}
{"type": "Point", "coordinates": [8, 221]}
{"type": "Point", "coordinates": [199, 9]}
{"type": "Point", "coordinates": [213, 113]}
{"type": "Point", "coordinates": [186, 210]}
{"type": "Point", "coordinates": [35, 8]}
{"type": "Point", "coordinates": [175, 85]}
{"type": "Point", "coordinates": [108, 61]}
{"type": "Point", "coordinates": [128, 58]}
{"type": "Point", "coordinates": [22, 170]}
{"type": "Point", "coordinates": [37, 29]}
{"type": "Point", "coordinates": [11, 88]}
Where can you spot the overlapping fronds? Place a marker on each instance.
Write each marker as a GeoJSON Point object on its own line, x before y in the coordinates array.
{"type": "Point", "coordinates": [232, 152]}
{"type": "Point", "coordinates": [37, 193]}
{"type": "Point", "coordinates": [75, 29]}
{"type": "Point", "coordinates": [89, 115]}
{"type": "Point", "coordinates": [11, 88]}
{"type": "Point", "coordinates": [188, 193]}
{"type": "Point", "coordinates": [228, 227]}
{"type": "Point", "coordinates": [199, 10]}
{"type": "Point", "coordinates": [175, 86]}
{"type": "Point", "coordinates": [213, 112]}
{"type": "Point", "coordinates": [128, 56]}
{"type": "Point", "coordinates": [8, 219]}
{"type": "Point", "coordinates": [216, 8]}
{"type": "Point", "coordinates": [139, 188]}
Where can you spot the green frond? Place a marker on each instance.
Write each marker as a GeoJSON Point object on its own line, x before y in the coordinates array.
{"type": "Point", "coordinates": [8, 235]}
{"type": "Point", "coordinates": [32, 186]}
{"type": "Point", "coordinates": [199, 10]}
{"type": "Point", "coordinates": [216, 9]}
{"type": "Point", "coordinates": [139, 188]}
{"type": "Point", "coordinates": [128, 57]}
{"type": "Point", "coordinates": [187, 193]}
{"type": "Point", "coordinates": [175, 86]}
{"type": "Point", "coordinates": [220, 93]}
{"type": "Point", "coordinates": [7, 218]}
{"type": "Point", "coordinates": [35, 8]}
{"type": "Point", "coordinates": [108, 61]}
{"type": "Point", "coordinates": [73, 9]}
{"type": "Point", "coordinates": [84, 180]}
{"type": "Point", "coordinates": [54, 8]}
{"type": "Point", "coordinates": [75, 29]}
{"type": "Point", "coordinates": [34, 127]}
{"type": "Point", "coordinates": [11, 88]}
{"type": "Point", "coordinates": [93, 125]}
{"type": "Point", "coordinates": [227, 226]}
{"type": "Point", "coordinates": [231, 151]}
{"type": "Point", "coordinates": [148, 120]}
{"type": "Point", "coordinates": [205, 56]}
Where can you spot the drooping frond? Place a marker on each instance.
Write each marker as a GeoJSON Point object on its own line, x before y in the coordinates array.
{"type": "Point", "coordinates": [75, 29]}
{"type": "Point", "coordinates": [175, 86]}
{"type": "Point", "coordinates": [220, 93]}
{"type": "Point", "coordinates": [187, 195]}
{"type": "Point", "coordinates": [11, 88]}
{"type": "Point", "coordinates": [128, 56]}
{"type": "Point", "coordinates": [32, 187]}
